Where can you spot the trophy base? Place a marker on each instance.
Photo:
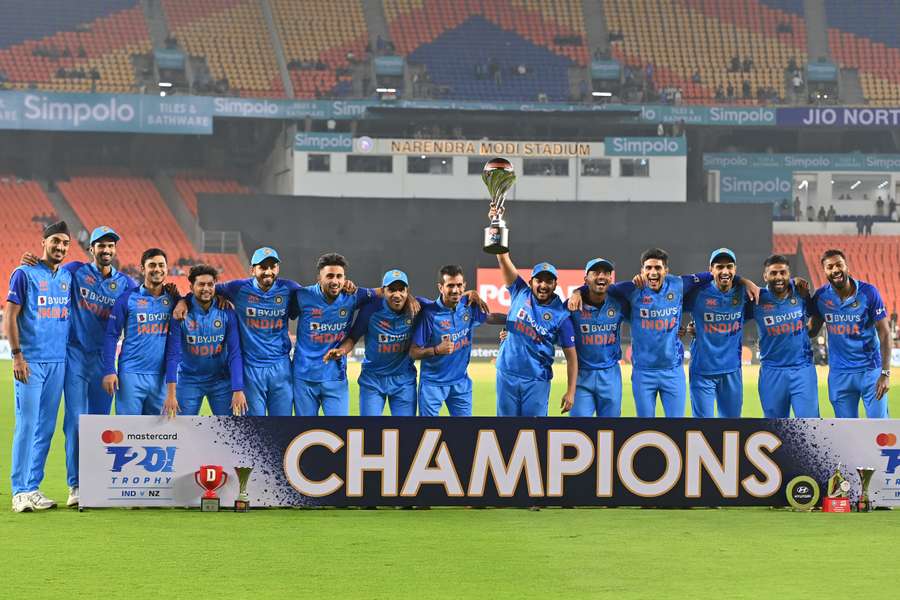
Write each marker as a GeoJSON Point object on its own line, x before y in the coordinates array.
{"type": "Point", "coordinates": [241, 506]}
{"type": "Point", "coordinates": [836, 505]}
{"type": "Point", "coordinates": [209, 505]}
{"type": "Point", "coordinates": [496, 239]}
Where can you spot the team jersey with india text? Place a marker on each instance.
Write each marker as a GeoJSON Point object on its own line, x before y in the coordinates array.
{"type": "Point", "coordinates": [388, 335]}
{"type": "Point", "coordinates": [655, 319]}
{"type": "Point", "coordinates": [435, 323]}
{"type": "Point", "coordinates": [783, 339]}
{"type": "Point", "coordinates": [323, 325]}
{"type": "Point", "coordinates": [852, 340]}
{"type": "Point", "coordinates": [44, 320]}
{"type": "Point", "coordinates": [719, 322]}
{"type": "Point", "coordinates": [534, 329]}
{"type": "Point", "coordinates": [205, 347]}
{"type": "Point", "coordinates": [93, 297]}
{"type": "Point", "coordinates": [598, 333]}
{"type": "Point", "coordinates": [145, 319]}
{"type": "Point", "coordinates": [263, 318]}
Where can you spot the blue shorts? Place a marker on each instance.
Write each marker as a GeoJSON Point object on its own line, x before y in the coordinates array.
{"type": "Point", "coordinates": [140, 394]}
{"type": "Point", "coordinates": [783, 388]}
{"type": "Point", "coordinates": [598, 392]}
{"type": "Point", "coordinates": [668, 383]}
{"type": "Point", "coordinates": [84, 395]}
{"type": "Point", "coordinates": [399, 390]}
{"type": "Point", "coordinates": [723, 392]}
{"type": "Point", "coordinates": [332, 397]}
{"type": "Point", "coordinates": [457, 397]}
{"type": "Point", "coordinates": [37, 404]}
{"type": "Point", "coordinates": [521, 396]}
{"type": "Point", "coordinates": [269, 389]}
{"type": "Point", "coordinates": [846, 389]}
{"type": "Point", "coordinates": [218, 394]}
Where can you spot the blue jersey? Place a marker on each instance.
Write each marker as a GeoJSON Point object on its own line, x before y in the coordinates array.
{"type": "Point", "coordinates": [783, 339]}
{"type": "Point", "coordinates": [44, 296]}
{"type": "Point", "coordinates": [263, 318]}
{"type": "Point", "coordinates": [852, 340]}
{"type": "Point", "coordinates": [598, 333]}
{"type": "Point", "coordinates": [205, 347]}
{"type": "Point", "coordinates": [388, 336]}
{"type": "Point", "coordinates": [655, 319]}
{"type": "Point", "coordinates": [435, 323]}
{"type": "Point", "coordinates": [145, 319]}
{"type": "Point", "coordinates": [322, 326]}
{"type": "Point", "coordinates": [719, 321]}
{"type": "Point", "coordinates": [534, 329]}
{"type": "Point", "coordinates": [93, 297]}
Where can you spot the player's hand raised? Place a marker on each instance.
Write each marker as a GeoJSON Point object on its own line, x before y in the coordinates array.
{"type": "Point", "coordinates": [568, 400]}
{"type": "Point", "coordinates": [475, 300]}
{"type": "Point", "coordinates": [238, 404]}
{"type": "Point", "coordinates": [575, 301]}
{"type": "Point", "coordinates": [111, 383]}
{"type": "Point", "coordinates": [29, 259]}
{"type": "Point", "coordinates": [181, 310]}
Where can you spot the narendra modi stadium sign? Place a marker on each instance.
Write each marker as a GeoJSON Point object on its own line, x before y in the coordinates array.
{"type": "Point", "coordinates": [490, 148]}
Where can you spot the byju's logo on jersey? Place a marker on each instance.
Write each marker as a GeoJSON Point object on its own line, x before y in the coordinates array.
{"type": "Point", "coordinates": [251, 312]}
{"type": "Point", "coordinates": [585, 328]}
{"type": "Point", "coordinates": [768, 320]}
{"type": "Point", "coordinates": [645, 313]}
{"type": "Point", "coordinates": [191, 339]}
{"type": "Point", "coordinates": [142, 317]}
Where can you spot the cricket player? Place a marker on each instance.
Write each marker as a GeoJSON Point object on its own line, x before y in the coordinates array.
{"type": "Point", "coordinates": [388, 373]}
{"type": "Point", "coordinates": [36, 321]}
{"type": "Point", "coordinates": [144, 315]}
{"type": "Point", "coordinates": [442, 341]}
{"type": "Point", "coordinates": [264, 307]}
{"type": "Point", "coordinates": [598, 327]}
{"type": "Point", "coordinates": [787, 377]}
{"type": "Point", "coordinates": [325, 312]}
{"type": "Point", "coordinates": [537, 320]}
{"type": "Point", "coordinates": [859, 341]}
{"type": "Point", "coordinates": [203, 354]}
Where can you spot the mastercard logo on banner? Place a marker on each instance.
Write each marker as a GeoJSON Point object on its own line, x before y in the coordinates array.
{"type": "Point", "coordinates": [886, 439]}
{"type": "Point", "coordinates": [112, 436]}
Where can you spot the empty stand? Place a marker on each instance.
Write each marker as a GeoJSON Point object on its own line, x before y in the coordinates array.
{"type": "Point", "coordinates": [190, 185]}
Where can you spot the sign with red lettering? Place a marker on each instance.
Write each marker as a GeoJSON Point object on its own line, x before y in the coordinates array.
{"type": "Point", "coordinates": [494, 292]}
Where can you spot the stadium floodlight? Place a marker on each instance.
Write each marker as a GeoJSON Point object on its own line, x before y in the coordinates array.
{"type": "Point", "coordinates": [856, 184]}
{"type": "Point", "coordinates": [601, 94]}
{"type": "Point", "coordinates": [803, 184]}
{"type": "Point", "coordinates": [383, 90]}
{"type": "Point", "coordinates": [883, 184]}
{"type": "Point", "coordinates": [162, 93]}
{"type": "Point", "coordinates": [165, 84]}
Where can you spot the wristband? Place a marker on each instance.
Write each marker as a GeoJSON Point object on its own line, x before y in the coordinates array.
{"type": "Point", "coordinates": [886, 372]}
{"type": "Point", "coordinates": [16, 351]}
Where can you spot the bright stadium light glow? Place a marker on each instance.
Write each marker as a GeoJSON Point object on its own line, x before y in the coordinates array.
{"type": "Point", "coordinates": [383, 90]}
{"type": "Point", "coordinates": [856, 184]}
{"type": "Point", "coordinates": [883, 184]}
{"type": "Point", "coordinates": [803, 184]}
{"type": "Point", "coordinates": [602, 94]}
{"type": "Point", "coordinates": [165, 84]}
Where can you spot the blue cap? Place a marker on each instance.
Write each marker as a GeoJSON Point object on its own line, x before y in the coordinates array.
{"type": "Point", "coordinates": [719, 252]}
{"type": "Point", "coordinates": [599, 262]}
{"type": "Point", "coordinates": [262, 254]}
{"type": "Point", "coordinates": [102, 232]}
{"type": "Point", "coordinates": [392, 276]}
{"type": "Point", "coordinates": [544, 267]}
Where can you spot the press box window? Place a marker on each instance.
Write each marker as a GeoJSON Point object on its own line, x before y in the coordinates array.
{"type": "Point", "coordinates": [634, 167]}
{"type": "Point", "coordinates": [476, 165]}
{"type": "Point", "coordinates": [429, 165]}
{"type": "Point", "coordinates": [360, 163]}
{"type": "Point", "coordinates": [318, 163]}
{"type": "Point", "coordinates": [596, 167]}
{"type": "Point", "coordinates": [546, 167]}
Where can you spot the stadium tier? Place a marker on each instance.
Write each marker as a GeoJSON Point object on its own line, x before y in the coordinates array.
{"type": "Point", "coordinates": [72, 46]}
{"type": "Point", "coordinates": [234, 38]}
{"type": "Point", "coordinates": [875, 259]}
{"type": "Point", "coordinates": [190, 185]}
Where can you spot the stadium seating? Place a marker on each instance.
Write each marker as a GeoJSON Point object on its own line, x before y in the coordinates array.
{"type": "Point", "coordinates": [22, 202]}
{"type": "Point", "coordinates": [875, 259]}
{"type": "Point", "coordinates": [679, 37]}
{"type": "Point", "coordinates": [452, 37]}
{"type": "Point", "coordinates": [189, 186]}
{"type": "Point", "coordinates": [95, 34]}
{"type": "Point", "coordinates": [234, 38]}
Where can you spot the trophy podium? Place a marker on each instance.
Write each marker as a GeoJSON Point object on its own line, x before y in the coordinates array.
{"type": "Point", "coordinates": [498, 175]}
{"type": "Point", "coordinates": [836, 499]}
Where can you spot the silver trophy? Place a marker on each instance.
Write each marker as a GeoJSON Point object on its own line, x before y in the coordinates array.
{"type": "Point", "coordinates": [498, 175]}
{"type": "Point", "coordinates": [864, 503]}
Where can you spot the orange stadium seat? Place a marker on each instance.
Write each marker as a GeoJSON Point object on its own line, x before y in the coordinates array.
{"type": "Point", "coordinates": [191, 185]}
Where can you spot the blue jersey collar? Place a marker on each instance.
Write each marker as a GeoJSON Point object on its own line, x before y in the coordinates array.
{"type": "Point", "coordinates": [255, 285]}
{"type": "Point", "coordinates": [852, 297]}
{"type": "Point", "coordinates": [95, 269]}
{"type": "Point", "coordinates": [195, 305]}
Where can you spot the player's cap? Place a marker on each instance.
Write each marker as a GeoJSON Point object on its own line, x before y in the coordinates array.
{"type": "Point", "coordinates": [726, 252]}
{"type": "Point", "coordinates": [262, 254]}
{"type": "Point", "coordinates": [103, 231]}
{"type": "Point", "coordinates": [544, 268]}
{"type": "Point", "coordinates": [392, 276]}
{"type": "Point", "coordinates": [598, 263]}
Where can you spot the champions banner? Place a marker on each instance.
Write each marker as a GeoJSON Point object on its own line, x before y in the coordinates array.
{"type": "Point", "coordinates": [483, 461]}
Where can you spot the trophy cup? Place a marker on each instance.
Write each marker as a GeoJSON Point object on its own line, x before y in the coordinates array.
{"type": "Point", "coordinates": [836, 500]}
{"type": "Point", "coordinates": [498, 176]}
{"type": "Point", "coordinates": [242, 504]}
{"type": "Point", "coordinates": [864, 504]}
{"type": "Point", "coordinates": [210, 478]}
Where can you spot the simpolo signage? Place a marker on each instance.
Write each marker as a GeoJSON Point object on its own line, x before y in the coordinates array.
{"type": "Point", "coordinates": [323, 142]}
{"type": "Point", "coordinates": [645, 146]}
{"type": "Point", "coordinates": [755, 185]}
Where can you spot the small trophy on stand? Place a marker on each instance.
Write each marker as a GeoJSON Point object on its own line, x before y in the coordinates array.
{"type": "Point", "coordinates": [242, 504]}
{"type": "Point", "coordinates": [836, 499]}
{"type": "Point", "coordinates": [210, 478]}
{"type": "Point", "coordinates": [864, 503]}
{"type": "Point", "coordinates": [498, 175]}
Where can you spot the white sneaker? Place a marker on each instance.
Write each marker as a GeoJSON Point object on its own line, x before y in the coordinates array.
{"type": "Point", "coordinates": [22, 503]}
{"type": "Point", "coordinates": [73, 497]}
{"type": "Point", "coordinates": [40, 501]}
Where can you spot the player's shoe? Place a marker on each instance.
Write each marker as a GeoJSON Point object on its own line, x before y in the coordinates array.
{"type": "Point", "coordinates": [40, 501]}
{"type": "Point", "coordinates": [73, 497]}
{"type": "Point", "coordinates": [22, 503]}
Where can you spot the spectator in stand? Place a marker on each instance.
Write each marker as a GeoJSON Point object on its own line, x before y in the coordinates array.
{"type": "Point", "coordinates": [696, 77]}
{"type": "Point", "coordinates": [784, 210]}
{"type": "Point", "coordinates": [860, 226]}
{"type": "Point", "coordinates": [730, 91]}
{"type": "Point", "coordinates": [870, 220]}
{"type": "Point", "coordinates": [822, 216]}
{"type": "Point", "coordinates": [810, 213]}
{"type": "Point", "coordinates": [747, 65]}
{"type": "Point", "coordinates": [797, 214]}
{"type": "Point", "coordinates": [792, 64]}
{"type": "Point", "coordinates": [879, 206]}
{"type": "Point", "coordinates": [661, 130]}
{"type": "Point", "coordinates": [831, 213]}
{"type": "Point", "coordinates": [735, 65]}
{"type": "Point", "coordinates": [720, 93]}
{"type": "Point", "coordinates": [797, 82]}
{"type": "Point", "coordinates": [746, 90]}
{"type": "Point", "coordinates": [892, 207]}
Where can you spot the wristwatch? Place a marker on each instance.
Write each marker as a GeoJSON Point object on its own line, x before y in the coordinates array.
{"type": "Point", "coordinates": [15, 351]}
{"type": "Point", "coordinates": [886, 372]}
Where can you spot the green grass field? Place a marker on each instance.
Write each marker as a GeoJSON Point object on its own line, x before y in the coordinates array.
{"type": "Point", "coordinates": [459, 553]}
